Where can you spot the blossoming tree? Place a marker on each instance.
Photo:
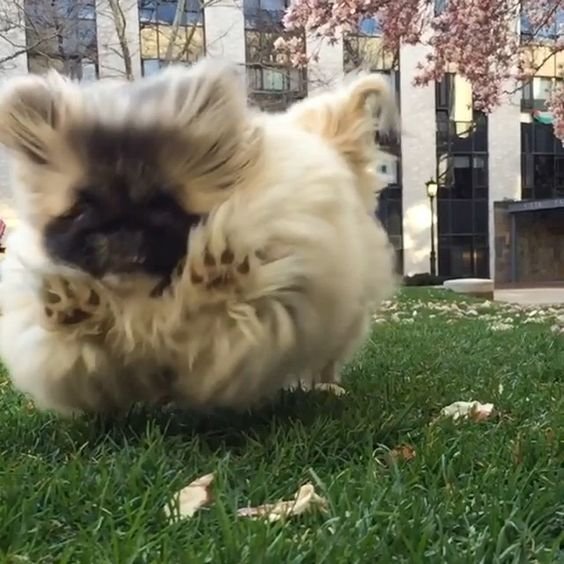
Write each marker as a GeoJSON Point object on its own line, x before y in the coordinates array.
{"type": "Point", "coordinates": [498, 45]}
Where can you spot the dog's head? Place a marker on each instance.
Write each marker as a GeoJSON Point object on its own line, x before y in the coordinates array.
{"type": "Point", "coordinates": [114, 175]}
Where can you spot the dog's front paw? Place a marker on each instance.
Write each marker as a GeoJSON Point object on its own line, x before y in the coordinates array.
{"type": "Point", "coordinates": [218, 271]}
{"type": "Point", "coordinates": [221, 274]}
{"type": "Point", "coordinates": [71, 305]}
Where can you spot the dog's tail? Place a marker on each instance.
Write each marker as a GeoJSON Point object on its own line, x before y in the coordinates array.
{"type": "Point", "coordinates": [349, 118]}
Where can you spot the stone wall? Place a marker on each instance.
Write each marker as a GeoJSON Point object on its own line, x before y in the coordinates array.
{"type": "Point", "coordinates": [539, 247]}
{"type": "Point", "coordinates": [13, 66]}
{"type": "Point", "coordinates": [418, 159]}
{"type": "Point", "coordinates": [504, 155]}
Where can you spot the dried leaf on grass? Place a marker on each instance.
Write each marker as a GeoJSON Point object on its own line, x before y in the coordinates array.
{"type": "Point", "coordinates": [473, 410]}
{"type": "Point", "coordinates": [402, 453]}
{"type": "Point", "coordinates": [186, 502]}
{"type": "Point", "coordinates": [305, 500]}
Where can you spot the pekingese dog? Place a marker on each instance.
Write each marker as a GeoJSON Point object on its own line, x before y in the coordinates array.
{"type": "Point", "coordinates": [177, 246]}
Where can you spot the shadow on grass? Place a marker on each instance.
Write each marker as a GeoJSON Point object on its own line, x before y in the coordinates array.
{"type": "Point", "coordinates": [333, 426]}
{"type": "Point", "coordinates": [224, 427]}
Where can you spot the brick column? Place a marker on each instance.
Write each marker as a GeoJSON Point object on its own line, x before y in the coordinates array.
{"type": "Point", "coordinates": [325, 67]}
{"type": "Point", "coordinates": [224, 22]}
{"type": "Point", "coordinates": [11, 40]}
{"type": "Point", "coordinates": [504, 148]}
{"type": "Point", "coordinates": [419, 160]}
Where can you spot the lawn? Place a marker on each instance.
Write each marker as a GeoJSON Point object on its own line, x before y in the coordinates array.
{"type": "Point", "coordinates": [91, 491]}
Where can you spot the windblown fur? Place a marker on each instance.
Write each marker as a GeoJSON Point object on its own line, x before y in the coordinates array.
{"type": "Point", "coordinates": [175, 246]}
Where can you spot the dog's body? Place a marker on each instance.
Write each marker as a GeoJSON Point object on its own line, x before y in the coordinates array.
{"type": "Point", "coordinates": [278, 285]}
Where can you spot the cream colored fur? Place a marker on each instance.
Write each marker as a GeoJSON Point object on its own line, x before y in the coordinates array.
{"type": "Point", "coordinates": [302, 265]}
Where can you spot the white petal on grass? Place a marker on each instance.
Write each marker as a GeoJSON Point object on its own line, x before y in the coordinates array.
{"type": "Point", "coordinates": [186, 502]}
{"type": "Point", "coordinates": [305, 500]}
{"type": "Point", "coordinates": [334, 389]}
{"type": "Point", "coordinates": [473, 410]}
{"type": "Point", "coordinates": [501, 326]}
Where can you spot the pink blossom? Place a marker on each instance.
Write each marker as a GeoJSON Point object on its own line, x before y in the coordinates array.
{"type": "Point", "coordinates": [478, 38]}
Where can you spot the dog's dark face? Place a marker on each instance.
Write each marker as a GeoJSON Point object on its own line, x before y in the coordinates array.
{"type": "Point", "coordinates": [114, 176]}
{"type": "Point", "coordinates": [126, 216]}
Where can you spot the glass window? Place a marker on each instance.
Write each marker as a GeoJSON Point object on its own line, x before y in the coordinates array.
{"type": "Point", "coordinates": [367, 52]}
{"type": "Point", "coordinates": [526, 25]}
{"type": "Point", "coordinates": [168, 35]}
{"type": "Point", "coordinates": [527, 171]}
{"type": "Point", "coordinates": [61, 35]}
{"type": "Point", "coordinates": [480, 217]}
{"type": "Point", "coordinates": [536, 93]}
{"type": "Point", "coordinates": [150, 66]}
{"type": "Point", "coordinates": [272, 80]}
{"type": "Point", "coordinates": [559, 175]}
{"type": "Point", "coordinates": [264, 13]}
{"type": "Point", "coordinates": [527, 137]}
{"type": "Point", "coordinates": [443, 90]}
{"type": "Point", "coordinates": [166, 12]}
{"type": "Point", "coordinates": [544, 176]}
{"type": "Point", "coordinates": [461, 217]}
{"type": "Point", "coordinates": [480, 165]}
{"type": "Point", "coordinates": [462, 177]}
{"type": "Point", "coordinates": [543, 138]}
{"type": "Point", "coordinates": [482, 262]}
{"type": "Point", "coordinates": [480, 133]}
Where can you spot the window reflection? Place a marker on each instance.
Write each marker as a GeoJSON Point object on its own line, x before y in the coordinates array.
{"type": "Point", "coordinates": [170, 32]}
{"type": "Point", "coordinates": [61, 35]}
{"type": "Point", "coordinates": [272, 80]}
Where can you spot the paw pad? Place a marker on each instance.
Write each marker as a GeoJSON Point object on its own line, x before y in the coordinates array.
{"type": "Point", "coordinates": [219, 274]}
{"type": "Point", "coordinates": [67, 304]}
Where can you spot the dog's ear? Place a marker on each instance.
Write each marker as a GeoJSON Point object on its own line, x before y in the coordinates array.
{"type": "Point", "coordinates": [33, 109]}
{"type": "Point", "coordinates": [349, 119]}
{"type": "Point", "coordinates": [373, 93]}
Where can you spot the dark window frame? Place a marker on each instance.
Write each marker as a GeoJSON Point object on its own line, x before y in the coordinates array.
{"type": "Point", "coordinates": [462, 207]}
{"type": "Point", "coordinates": [539, 145]}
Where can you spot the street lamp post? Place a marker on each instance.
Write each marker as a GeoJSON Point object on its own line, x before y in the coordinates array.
{"type": "Point", "coordinates": [432, 188]}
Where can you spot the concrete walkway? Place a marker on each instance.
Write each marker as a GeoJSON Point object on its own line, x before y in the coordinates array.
{"type": "Point", "coordinates": [531, 296]}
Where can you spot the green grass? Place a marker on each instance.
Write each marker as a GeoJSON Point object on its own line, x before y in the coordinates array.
{"type": "Point", "coordinates": [93, 491]}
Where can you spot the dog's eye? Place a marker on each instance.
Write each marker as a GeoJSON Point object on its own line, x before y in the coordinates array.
{"type": "Point", "coordinates": [81, 207]}
{"type": "Point", "coordinates": [160, 202]}
{"type": "Point", "coordinates": [87, 201]}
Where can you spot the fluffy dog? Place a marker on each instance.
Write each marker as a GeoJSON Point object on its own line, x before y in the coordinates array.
{"type": "Point", "coordinates": [177, 246]}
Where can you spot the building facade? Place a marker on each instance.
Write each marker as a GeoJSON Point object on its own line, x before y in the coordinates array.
{"type": "Point", "coordinates": [476, 159]}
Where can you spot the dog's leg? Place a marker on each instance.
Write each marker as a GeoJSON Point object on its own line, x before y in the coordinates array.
{"type": "Point", "coordinates": [57, 370]}
{"type": "Point", "coordinates": [330, 374]}
{"type": "Point", "coordinates": [50, 344]}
